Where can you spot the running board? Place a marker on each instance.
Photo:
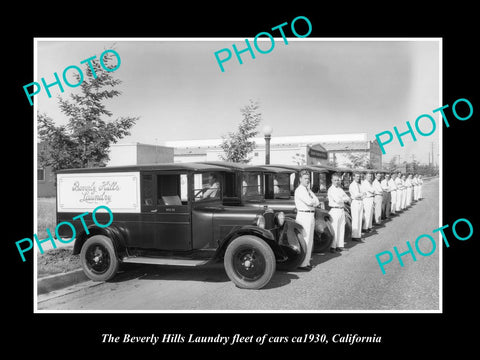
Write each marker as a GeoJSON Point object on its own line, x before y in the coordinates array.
{"type": "Point", "coordinates": [163, 261]}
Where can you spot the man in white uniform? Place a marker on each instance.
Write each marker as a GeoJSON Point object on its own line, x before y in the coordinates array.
{"type": "Point", "coordinates": [399, 184]}
{"type": "Point", "coordinates": [420, 183]}
{"type": "Point", "coordinates": [377, 202]}
{"type": "Point", "coordinates": [336, 200]}
{"type": "Point", "coordinates": [305, 202]}
{"type": "Point", "coordinates": [393, 193]}
{"type": "Point", "coordinates": [415, 187]}
{"type": "Point", "coordinates": [356, 209]}
{"type": "Point", "coordinates": [387, 198]}
{"type": "Point", "coordinates": [408, 184]}
{"type": "Point", "coordinates": [369, 194]}
{"type": "Point", "coordinates": [404, 192]}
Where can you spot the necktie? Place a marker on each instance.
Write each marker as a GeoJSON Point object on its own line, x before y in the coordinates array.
{"type": "Point", "coordinates": [309, 193]}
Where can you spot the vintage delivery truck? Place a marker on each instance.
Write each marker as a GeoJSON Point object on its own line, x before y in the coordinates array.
{"type": "Point", "coordinates": [173, 214]}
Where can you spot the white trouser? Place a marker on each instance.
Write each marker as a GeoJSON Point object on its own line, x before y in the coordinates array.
{"type": "Point", "coordinates": [307, 220]}
{"type": "Point", "coordinates": [367, 212]}
{"type": "Point", "coordinates": [378, 208]}
{"type": "Point", "coordinates": [404, 198]}
{"type": "Point", "coordinates": [357, 216]}
{"type": "Point", "coordinates": [393, 205]}
{"type": "Point", "coordinates": [399, 200]}
{"type": "Point", "coordinates": [409, 196]}
{"type": "Point", "coordinates": [420, 191]}
{"type": "Point", "coordinates": [415, 192]}
{"type": "Point", "coordinates": [338, 224]}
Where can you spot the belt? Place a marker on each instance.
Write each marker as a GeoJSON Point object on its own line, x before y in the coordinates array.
{"type": "Point", "coordinates": [307, 211]}
{"type": "Point", "coordinates": [366, 197]}
{"type": "Point", "coordinates": [336, 207]}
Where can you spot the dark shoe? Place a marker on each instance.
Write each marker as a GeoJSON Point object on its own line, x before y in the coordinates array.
{"type": "Point", "coordinates": [357, 240]}
{"type": "Point", "coordinates": [332, 250]}
{"type": "Point", "coordinates": [338, 249]}
{"type": "Point", "coordinates": [304, 268]}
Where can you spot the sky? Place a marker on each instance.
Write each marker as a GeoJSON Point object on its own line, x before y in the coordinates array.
{"type": "Point", "coordinates": [310, 86]}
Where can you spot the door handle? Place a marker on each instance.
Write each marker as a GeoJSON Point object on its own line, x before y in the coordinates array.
{"type": "Point", "coordinates": [154, 210]}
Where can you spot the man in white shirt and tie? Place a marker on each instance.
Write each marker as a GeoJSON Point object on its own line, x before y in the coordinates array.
{"type": "Point", "coordinates": [404, 192]}
{"type": "Point", "coordinates": [305, 202]}
{"type": "Point", "coordinates": [420, 184]}
{"type": "Point", "coordinates": [415, 187]}
{"type": "Point", "coordinates": [369, 194]}
{"type": "Point", "coordinates": [409, 185]}
{"type": "Point", "coordinates": [393, 193]}
{"type": "Point", "coordinates": [356, 208]}
{"type": "Point", "coordinates": [378, 200]}
{"type": "Point", "coordinates": [387, 198]}
{"type": "Point", "coordinates": [336, 200]}
{"type": "Point", "coordinates": [399, 183]}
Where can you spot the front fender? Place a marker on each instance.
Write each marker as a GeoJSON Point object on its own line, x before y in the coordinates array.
{"type": "Point", "coordinates": [289, 235]}
{"type": "Point", "coordinates": [246, 230]}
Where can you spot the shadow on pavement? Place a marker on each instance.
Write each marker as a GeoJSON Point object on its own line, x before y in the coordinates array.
{"type": "Point", "coordinates": [206, 273]}
{"type": "Point", "coordinates": [212, 273]}
{"type": "Point", "coordinates": [279, 279]}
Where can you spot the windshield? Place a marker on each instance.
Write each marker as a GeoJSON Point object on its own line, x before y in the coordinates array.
{"type": "Point", "coordinates": [252, 186]}
{"type": "Point", "coordinates": [281, 186]}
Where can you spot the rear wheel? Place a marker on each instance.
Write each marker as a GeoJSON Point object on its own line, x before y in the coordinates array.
{"type": "Point", "coordinates": [249, 262]}
{"type": "Point", "coordinates": [98, 258]}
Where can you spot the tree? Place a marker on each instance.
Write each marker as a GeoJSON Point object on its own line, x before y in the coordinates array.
{"type": "Point", "coordinates": [238, 145]}
{"type": "Point", "coordinates": [357, 160]}
{"type": "Point", "coordinates": [299, 159]}
{"type": "Point", "coordinates": [85, 140]}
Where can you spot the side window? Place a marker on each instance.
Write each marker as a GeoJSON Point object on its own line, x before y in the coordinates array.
{"type": "Point", "coordinates": [251, 184]}
{"type": "Point", "coordinates": [172, 189]}
{"type": "Point", "coordinates": [323, 182]}
{"type": "Point", "coordinates": [346, 180]}
{"type": "Point", "coordinates": [206, 186]}
{"type": "Point", "coordinates": [148, 192]}
{"type": "Point", "coordinates": [281, 186]}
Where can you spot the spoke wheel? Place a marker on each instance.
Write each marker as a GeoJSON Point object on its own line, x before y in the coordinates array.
{"type": "Point", "coordinates": [98, 258]}
{"type": "Point", "coordinates": [249, 262]}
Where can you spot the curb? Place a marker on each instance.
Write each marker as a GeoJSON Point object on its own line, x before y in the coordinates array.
{"type": "Point", "coordinates": [59, 281]}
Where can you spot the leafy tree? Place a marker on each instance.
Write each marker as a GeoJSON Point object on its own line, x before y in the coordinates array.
{"type": "Point", "coordinates": [85, 140]}
{"type": "Point", "coordinates": [299, 159]}
{"type": "Point", "coordinates": [358, 160]}
{"type": "Point", "coordinates": [238, 145]}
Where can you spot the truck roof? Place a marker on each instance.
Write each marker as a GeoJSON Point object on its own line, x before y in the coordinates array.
{"type": "Point", "coordinates": [279, 168]}
{"type": "Point", "coordinates": [236, 166]}
{"type": "Point", "coordinates": [149, 167]}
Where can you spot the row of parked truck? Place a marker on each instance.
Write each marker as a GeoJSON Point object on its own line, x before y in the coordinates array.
{"type": "Point", "coordinates": [192, 214]}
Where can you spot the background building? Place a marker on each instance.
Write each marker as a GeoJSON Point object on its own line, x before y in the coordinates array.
{"type": "Point", "coordinates": [137, 154]}
{"type": "Point", "coordinates": [344, 150]}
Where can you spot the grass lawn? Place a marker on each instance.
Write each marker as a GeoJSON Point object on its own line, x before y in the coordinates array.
{"type": "Point", "coordinates": [46, 217]}
{"type": "Point", "coordinates": [53, 261]}
{"type": "Point", "coordinates": [57, 261]}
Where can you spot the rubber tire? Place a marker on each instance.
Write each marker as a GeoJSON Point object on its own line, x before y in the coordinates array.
{"type": "Point", "coordinates": [114, 263]}
{"type": "Point", "coordinates": [294, 260]}
{"type": "Point", "coordinates": [263, 248]}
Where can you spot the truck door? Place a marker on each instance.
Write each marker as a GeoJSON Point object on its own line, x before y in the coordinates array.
{"type": "Point", "coordinates": [173, 216]}
{"type": "Point", "coordinates": [167, 214]}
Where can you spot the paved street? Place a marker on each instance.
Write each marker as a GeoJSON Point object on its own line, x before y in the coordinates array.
{"type": "Point", "coordinates": [351, 280]}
